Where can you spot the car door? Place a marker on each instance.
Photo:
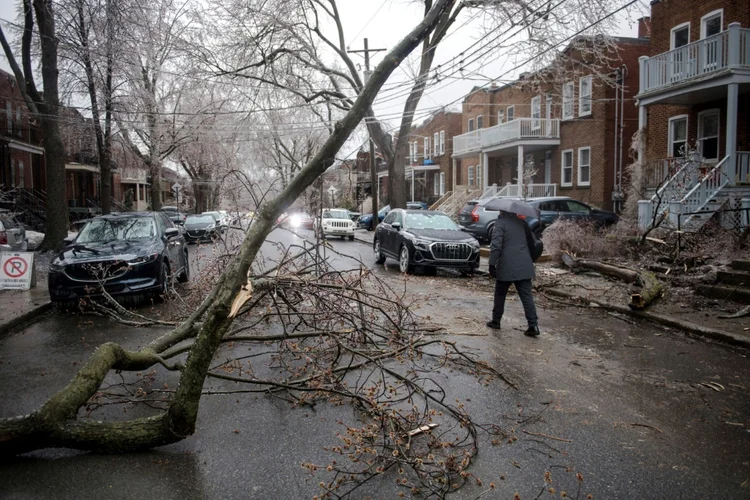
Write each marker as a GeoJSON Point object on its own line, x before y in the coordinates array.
{"type": "Point", "coordinates": [578, 211]}
{"type": "Point", "coordinates": [395, 237]}
{"type": "Point", "coordinates": [173, 244]}
{"type": "Point", "coordinates": [385, 231]}
{"type": "Point", "coordinates": [547, 213]}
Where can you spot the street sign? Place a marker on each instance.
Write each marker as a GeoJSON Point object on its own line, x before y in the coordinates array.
{"type": "Point", "coordinates": [332, 190]}
{"type": "Point", "coordinates": [16, 270]}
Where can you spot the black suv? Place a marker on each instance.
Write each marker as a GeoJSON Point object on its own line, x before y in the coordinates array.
{"type": "Point", "coordinates": [134, 253]}
{"type": "Point", "coordinates": [424, 238]}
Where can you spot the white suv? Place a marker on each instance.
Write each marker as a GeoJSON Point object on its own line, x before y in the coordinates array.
{"type": "Point", "coordinates": [336, 222]}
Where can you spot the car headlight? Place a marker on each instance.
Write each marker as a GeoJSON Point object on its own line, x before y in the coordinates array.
{"type": "Point", "coordinates": [474, 243]}
{"type": "Point", "coordinates": [422, 243]}
{"type": "Point", "coordinates": [56, 267]}
{"type": "Point", "coordinates": [144, 259]}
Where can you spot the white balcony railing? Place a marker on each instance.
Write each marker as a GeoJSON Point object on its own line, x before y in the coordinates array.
{"type": "Point", "coordinates": [515, 191]}
{"type": "Point", "coordinates": [464, 143]}
{"type": "Point", "coordinates": [518, 129]}
{"type": "Point", "coordinates": [726, 50]}
{"type": "Point", "coordinates": [521, 128]}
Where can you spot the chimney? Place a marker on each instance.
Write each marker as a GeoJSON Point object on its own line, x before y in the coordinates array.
{"type": "Point", "coordinates": [493, 85]}
{"type": "Point", "coordinates": [644, 27]}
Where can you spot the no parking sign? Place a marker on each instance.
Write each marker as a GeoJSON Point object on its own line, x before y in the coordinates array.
{"type": "Point", "coordinates": [15, 270]}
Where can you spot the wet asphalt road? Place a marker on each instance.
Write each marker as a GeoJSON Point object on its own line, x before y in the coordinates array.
{"type": "Point", "coordinates": [623, 404]}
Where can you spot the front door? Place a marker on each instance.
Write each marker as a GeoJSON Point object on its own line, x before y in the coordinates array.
{"type": "Point", "coordinates": [548, 167]}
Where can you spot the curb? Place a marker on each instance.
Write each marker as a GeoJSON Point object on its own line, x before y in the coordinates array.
{"type": "Point", "coordinates": [701, 331]}
{"type": "Point", "coordinates": [25, 318]}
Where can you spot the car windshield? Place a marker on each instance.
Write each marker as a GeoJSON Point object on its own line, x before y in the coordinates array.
{"type": "Point", "coordinates": [335, 214]}
{"type": "Point", "coordinates": [429, 221]}
{"type": "Point", "coordinates": [120, 229]}
{"type": "Point", "coordinates": [200, 219]}
{"type": "Point", "coordinates": [384, 210]}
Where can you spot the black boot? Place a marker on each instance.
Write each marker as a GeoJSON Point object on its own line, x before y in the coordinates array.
{"type": "Point", "coordinates": [495, 325]}
{"type": "Point", "coordinates": [532, 331]}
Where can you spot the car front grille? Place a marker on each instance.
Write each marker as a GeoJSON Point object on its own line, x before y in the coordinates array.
{"type": "Point", "coordinates": [339, 224]}
{"type": "Point", "coordinates": [196, 233]}
{"type": "Point", "coordinates": [450, 251]}
{"type": "Point", "coordinates": [97, 271]}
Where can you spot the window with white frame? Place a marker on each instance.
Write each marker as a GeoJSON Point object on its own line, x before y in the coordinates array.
{"type": "Point", "coordinates": [470, 175]}
{"type": "Point", "coordinates": [536, 112]}
{"type": "Point", "coordinates": [435, 144]}
{"type": "Point", "coordinates": [21, 176]}
{"type": "Point", "coordinates": [679, 36]}
{"type": "Point", "coordinates": [511, 113]}
{"type": "Point", "coordinates": [471, 124]}
{"type": "Point", "coordinates": [436, 184]}
{"type": "Point", "coordinates": [442, 142]}
{"type": "Point", "coordinates": [480, 121]}
{"type": "Point", "coordinates": [712, 23]}
{"type": "Point", "coordinates": [426, 148]}
{"type": "Point", "coordinates": [678, 126]}
{"type": "Point", "coordinates": [480, 172]}
{"type": "Point", "coordinates": [548, 106]}
{"type": "Point", "coordinates": [416, 151]}
{"type": "Point", "coordinates": [442, 183]}
{"type": "Point", "coordinates": [568, 112]}
{"type": "Point", "coordinates": [584, 96]}
{"type": "Point", "coordinates": [708, 134]}
{"type": "Point", "coordinates": [584, 166]}
{"type": "Point", "coordinates": [411, 152]}
{"type": "Point", "coordinates": [566, 174]}
{"type": "Point", "coordinates": [501, 117]}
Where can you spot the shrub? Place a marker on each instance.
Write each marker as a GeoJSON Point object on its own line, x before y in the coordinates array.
{"type": "Point", "coordinates": [582, 240]}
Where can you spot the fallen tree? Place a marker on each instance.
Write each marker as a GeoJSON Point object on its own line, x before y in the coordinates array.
{"type": "Point", "coordinates": [56, 424]}
{"type": "Point", "coordinates": [649, 288]}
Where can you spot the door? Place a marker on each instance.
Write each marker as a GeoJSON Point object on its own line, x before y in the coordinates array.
{"type": "Point", "coordinates": [384, 233]}
{"type": "Point", "coordinates": [548, 168]}
{"type": "Point", "coordinates": [173, 244]}
{"type": "Point", "coordinates": [711, 48]}
{"type": "Point", "coordinates": [394, 236]}
{"type": "Point", "coordinates": [708, 135]}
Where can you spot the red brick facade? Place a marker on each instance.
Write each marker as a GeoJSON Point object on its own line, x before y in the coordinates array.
{"type": "Point", "coordinates": [595, 130]}
{"type": "Point", "coordinates": [665, 15]}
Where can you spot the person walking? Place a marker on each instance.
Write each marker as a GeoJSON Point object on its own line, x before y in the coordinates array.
{"type": "Point", "coordinates": [511, 263]}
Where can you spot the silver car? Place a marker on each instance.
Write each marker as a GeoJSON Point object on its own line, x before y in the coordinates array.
{"type": "Point", "coordinates": [12, 233]}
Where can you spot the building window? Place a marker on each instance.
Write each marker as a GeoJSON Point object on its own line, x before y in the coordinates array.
{"type": "Point", "coordinates": [9, 116]}
{"type": "Point", "coordinates": [18, 122]}
{"type": "Point", "coordinates": [442, 183]}
{"type": "Point", "coordinates": [566, 177]}
{"type": "Point", "coordinates": [511, 113]}
{"type": "Point", "coordinates": [411, 152]}
{"type": "Point", "coordinates": [678, 136]}
{"type": "Point", "coordinates": [536, 112]}
{"type": "Point", "coordinates": [435, 144]}
{"type": "Point", "coordinates": [480, 121]}
{"type": "Point", "coordinates": [426, 148]}
{"type": "Point", "coordinates": [442, 142]}
{"type": "Point", "coordinates": [21, 176]}
{"type": "Point", "coordinates": [548, 106]}
{"type": "Point", "coordinates": [584, 96]}
{"type": "Point", "coordinates": [568, 89]}
{"type": "Point", "coordinates": [416, 151]}
{"type": "Point", "coordinates": [712, 23]}
{"type": "Point", "coordinates": [471, 124]}
{"type": "Point", "coordinates": [480, 172]}
{"type": "Point", "coordinates": [584, 166]}
{"type": "Point", "coordinates": [679, 36]}
{"type": "Point", "coordinates": [708, 134]}
{"type": "Point", "coordinates": [436, 184]}
{"type": "Point", "coordinates": [470, 175]}
{"type": "Point", "coordinates": [501, 117]}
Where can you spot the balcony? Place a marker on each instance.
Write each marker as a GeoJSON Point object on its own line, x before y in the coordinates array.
{"type": "Point", "coordinates": [704, 63]}
{"type": "Point", "coordinates": [521, 131]}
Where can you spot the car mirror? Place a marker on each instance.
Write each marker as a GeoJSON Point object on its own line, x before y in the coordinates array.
{"type": "Point", "coordinates": [396, 226]}
{"type": "Point", "coordinates": [461, 228]}
{"type": "Point", "coordinates": [171, 232]}
{"type": "Point", "coordinates": [68, 240]}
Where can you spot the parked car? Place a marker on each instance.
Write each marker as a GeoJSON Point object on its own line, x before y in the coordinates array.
{"type": "Point", "coordinates": [416, 205]}
{"type": "Point", "coordinates": [424, 238]}
{"type": "Point", "coordinates": [203, 227]}
{"type": "Point", "coordinates": [365, 220]}
{"type": "Point", "coordinates": [480, 222]}
{"type": "Point", "coordinates": [177, 218]}
{"type": "Point", "coordinates": [221, 222]}
{"type": "Point", "coordinates": [136, 253]}
{"type": "Point", "coordinates": [300, 220]}
{"type": "Point", "coordinates": [12, 233]}
{"type": "Point", "coordinates": [354, 215]}
{"type": "Point", "coordinates": [336, 222]}
{"type": "Point", "coordinates": [168, 208]}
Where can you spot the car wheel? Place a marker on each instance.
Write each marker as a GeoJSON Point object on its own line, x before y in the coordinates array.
{"type": "Point", "coordinates": [379, 257]}
{"type": "Point", "coordinates": [184, 276]}
{"type": "Point", "coordinates": [490, 230]}
{"type": "Point", "coordinates": [404, 261]}
{"type": "Point", "coordinates": [538, 233]}
{"type": "Point", "coordinates": [165, 281]}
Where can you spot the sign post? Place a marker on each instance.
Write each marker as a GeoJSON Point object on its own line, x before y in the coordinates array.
{"type": "Point", "coordinates": [16, 270]}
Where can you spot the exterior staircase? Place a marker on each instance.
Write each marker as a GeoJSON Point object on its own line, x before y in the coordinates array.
{"type": "Point", "coordinates": [453, 205]}
{"type": "Point", "coordinates": [732, 284]}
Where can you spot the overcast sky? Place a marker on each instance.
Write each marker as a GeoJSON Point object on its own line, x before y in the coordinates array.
{"type": "Point", "coordinates": [385, 22]}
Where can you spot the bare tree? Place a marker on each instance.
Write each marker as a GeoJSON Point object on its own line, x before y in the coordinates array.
{"type": "Point", "coordinates": [45, 107]}
{"type": "Point", "coordinates": [56, 424]}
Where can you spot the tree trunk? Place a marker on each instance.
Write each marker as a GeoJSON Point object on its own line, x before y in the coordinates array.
{"type": "Point", "coordinates": [155, 187]}
{"type": "Point", "coordinates": [56, 225]}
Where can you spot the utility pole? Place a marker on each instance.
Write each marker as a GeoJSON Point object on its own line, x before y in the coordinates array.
{"type": "Point", "coordinates": [373, 170]}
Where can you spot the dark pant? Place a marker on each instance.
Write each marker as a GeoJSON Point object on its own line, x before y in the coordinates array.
{"type": "Point", "coordinates": [523, 287]}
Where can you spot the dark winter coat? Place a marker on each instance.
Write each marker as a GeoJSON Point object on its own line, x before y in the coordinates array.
{"type": "Point", "coordinates": [509, 252]}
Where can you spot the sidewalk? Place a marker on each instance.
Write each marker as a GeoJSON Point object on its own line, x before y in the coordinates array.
{"type": "Point", "coordinates": [18, 307]}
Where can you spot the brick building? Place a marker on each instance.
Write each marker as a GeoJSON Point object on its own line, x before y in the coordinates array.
{"type": "Point", "coordinates": [694, 101]}
{"type": "Point", "coordinates": [561, 131]}
{"type": "Point", "coordinates": [21, 151]}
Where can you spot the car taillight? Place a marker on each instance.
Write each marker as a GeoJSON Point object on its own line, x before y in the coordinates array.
{"type": "Point", "coordinates": [522, 217]}
{"type": "Point", "coordinates": [3, 238]}
{"type": "Point", "coordinates": [474, 215]}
